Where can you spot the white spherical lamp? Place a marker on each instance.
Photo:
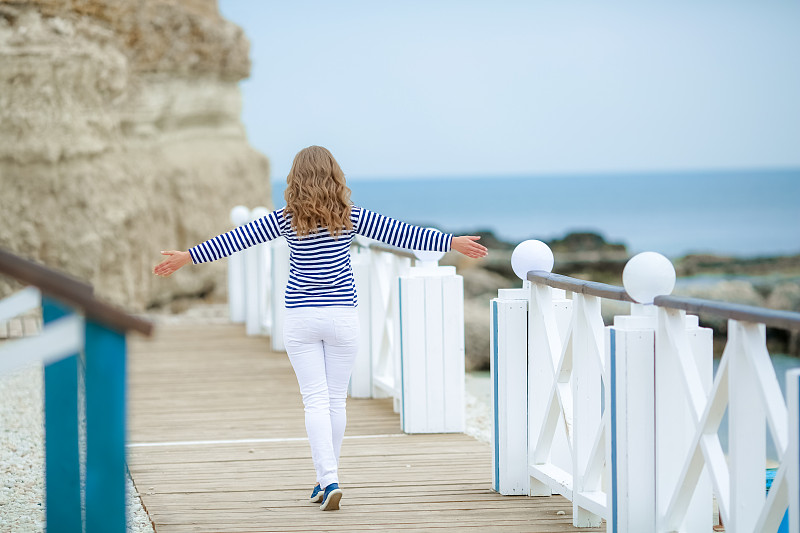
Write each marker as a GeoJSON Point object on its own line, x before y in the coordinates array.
{"type": "Point", "coordinates": [647, 275]}
{"type": "Point", "coordinates": [240, 215]}
{"type": "Point", "coordinates": [531, 255]}
{"type": "Point", "coordinates": [427, 256]}
{"type": "Point", "coordinates": [258, 212]}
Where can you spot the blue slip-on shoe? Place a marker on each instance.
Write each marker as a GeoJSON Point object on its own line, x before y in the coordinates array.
{"type": "Point", "coordinates": [330, 501]}
{"type": "Point", "coordinates": [316, 495]}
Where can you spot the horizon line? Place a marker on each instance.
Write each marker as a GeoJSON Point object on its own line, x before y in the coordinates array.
{"type": "Point", "coordinates": [567, 174]}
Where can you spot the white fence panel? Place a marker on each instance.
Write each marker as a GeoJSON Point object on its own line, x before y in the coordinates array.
{"type": "Point", "coordinates": [385, 271]}
{"type": "Point", "coordinates": [549, 323]}
{"type": "Point", "coordinates": [566, 373]}
{"type": "Point", "coordinates": [508, 366]}
{"type": "Point", "coordinates": [431, 341]}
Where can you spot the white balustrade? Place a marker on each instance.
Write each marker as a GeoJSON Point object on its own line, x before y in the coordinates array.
{"type": "Point", "coordinates": [258, 269]}
{"type": "Point", "coordinates": [684, 367]}
{"type": "Point", "coordinates": [567, 428]}
{"type": "Point", "coordinates": [792, 467]}
{"type": "Point", "coordinates": [623, 420]}
{"type": "Point", "coordinates": [384, 324]}
{"type": "Point", "coordinates": [361, 379]}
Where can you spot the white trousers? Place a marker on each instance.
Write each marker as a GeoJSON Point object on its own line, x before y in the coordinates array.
{"type": "Point", "coordinates": [322, 343]}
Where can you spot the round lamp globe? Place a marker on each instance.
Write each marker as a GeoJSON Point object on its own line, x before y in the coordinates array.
{"type": "Point", "coordinates": [531, 255]}
{"type": "Point", "coordinates": [647, 275]}
{"type": "Point", "coordinates": [258, 212]}
{"type": "Point", "coordinates": [240, 215]}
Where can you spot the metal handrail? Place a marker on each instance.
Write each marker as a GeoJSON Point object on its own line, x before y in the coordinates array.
{"type": "Point", "coordinates": [591, 288]}
{"type": "Point", "coordinates": [788, 320]}
{"type": "Point", "coordinates": [72, 292]}
{"type": "Point", "coordinates": [383, 248]}
{"type": "Point", "coordinates": [747, 313]}
{"type": "Point", "coordinates": [395, 251]}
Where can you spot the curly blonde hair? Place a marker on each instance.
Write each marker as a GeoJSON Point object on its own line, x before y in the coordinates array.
{"type": "Point", "coordinates": [316, 194]}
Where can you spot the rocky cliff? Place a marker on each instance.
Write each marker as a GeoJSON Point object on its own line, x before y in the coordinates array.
{"type": "Point", "coordinates": [120, 136]}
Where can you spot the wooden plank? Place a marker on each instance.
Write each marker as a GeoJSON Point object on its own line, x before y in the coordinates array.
{"type": "Point", "coordinates": [211, 383]}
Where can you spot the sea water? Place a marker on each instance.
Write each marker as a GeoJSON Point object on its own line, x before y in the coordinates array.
{"type": "Point", "coordinates": [742, 213]}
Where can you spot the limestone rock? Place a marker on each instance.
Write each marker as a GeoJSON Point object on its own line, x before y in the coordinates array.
{"type": "Point", "coordinates": [479, 282]}
{"type": "Point", "coordinates": [785, 296]}
{"type": "Point", "coordinates": [732, 291]}
{"type": "Point", "coordinates": [120, 136]}
{"type": "Point", "coordinates": [476, 334]}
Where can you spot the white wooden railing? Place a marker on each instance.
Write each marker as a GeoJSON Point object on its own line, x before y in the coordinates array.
{"type": "Point", "coordinates": [623, 420]}
{"type": "Point", "coordinates": [412, 323]}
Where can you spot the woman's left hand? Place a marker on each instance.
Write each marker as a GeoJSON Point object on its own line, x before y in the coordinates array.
{"type": "Point", "coordinates": [174, 261]}
{"type": "Point", "coordinates": [467, 245]}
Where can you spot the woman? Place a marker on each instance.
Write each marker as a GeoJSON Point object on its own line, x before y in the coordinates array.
{"type": "Point", "coordinates": [321, 326]}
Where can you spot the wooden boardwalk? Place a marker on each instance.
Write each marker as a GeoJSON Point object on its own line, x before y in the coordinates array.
{"type": "Point", "coordinates": [217, 443]}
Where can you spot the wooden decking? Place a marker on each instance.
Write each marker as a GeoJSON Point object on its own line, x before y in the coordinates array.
{"type": "Point", "coordinates": [218, 444]}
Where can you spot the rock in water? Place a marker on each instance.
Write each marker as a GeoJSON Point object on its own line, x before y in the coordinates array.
{"type": "Point", "coordinates": [120, 136]}
{"type": "Point", "coordinates": [477, 345]}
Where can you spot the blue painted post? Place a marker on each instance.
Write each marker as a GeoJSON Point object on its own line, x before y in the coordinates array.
{"type": "Point", "coordinates": [62, 462]}
{"type": "Point", "coordinates": [105, 430]}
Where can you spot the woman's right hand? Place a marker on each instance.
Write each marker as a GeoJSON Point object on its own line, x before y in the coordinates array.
{"type": "Point", "coordinates": [468, 245]}
{"type": "Point", "coordinates": [175, 260]}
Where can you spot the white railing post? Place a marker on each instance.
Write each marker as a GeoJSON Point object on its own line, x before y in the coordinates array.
{"type": "Point", "coordinates": [257, 283]}
{"type": "Point", "coordinates": [361, 379]}
{"type": "Point", "coordinates": [431, 350]}
{"type": "Point", "coordinates": [508, 365]}
{"type": "Point", "coordinates": [264, 260]}
{"type": "Point", "coordinates": [236, 272]}
{"type": "Point", "coordinates": [793, 450]}
{"type": "Point", "coordinates": [280, 276]}
{"type": "Point", "coordinates": [630, 399]}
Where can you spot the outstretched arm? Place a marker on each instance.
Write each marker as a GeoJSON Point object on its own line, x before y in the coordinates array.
{"type": "Point", "coordinates": [399, 234]}
{"type": "Point", "coordinates": [261, 230]}
{"type": "Point", "coordinates": [402, 235]}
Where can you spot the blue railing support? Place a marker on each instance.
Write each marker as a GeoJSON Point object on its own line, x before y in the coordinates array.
{"type": "Point", "coordinates": [62, 461]}
{"type": "Point", "coordinates": [105, 429]}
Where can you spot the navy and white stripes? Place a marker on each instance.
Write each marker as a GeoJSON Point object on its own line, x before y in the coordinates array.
{"type": "Point", "coordinates": [320, 273]}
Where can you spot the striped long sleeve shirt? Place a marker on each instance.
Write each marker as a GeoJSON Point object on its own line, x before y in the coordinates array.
{"type": "Point", "coordinates": [320, 273]}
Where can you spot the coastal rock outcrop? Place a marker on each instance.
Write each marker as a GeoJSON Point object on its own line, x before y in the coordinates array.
{"type": "Point", "coordinates": [120, 136]}
{"type": "Point", "coordinates": [770, 282]}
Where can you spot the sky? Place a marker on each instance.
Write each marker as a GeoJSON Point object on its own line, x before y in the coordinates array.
{"type": "Point", "coordinates": [468, 88]}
